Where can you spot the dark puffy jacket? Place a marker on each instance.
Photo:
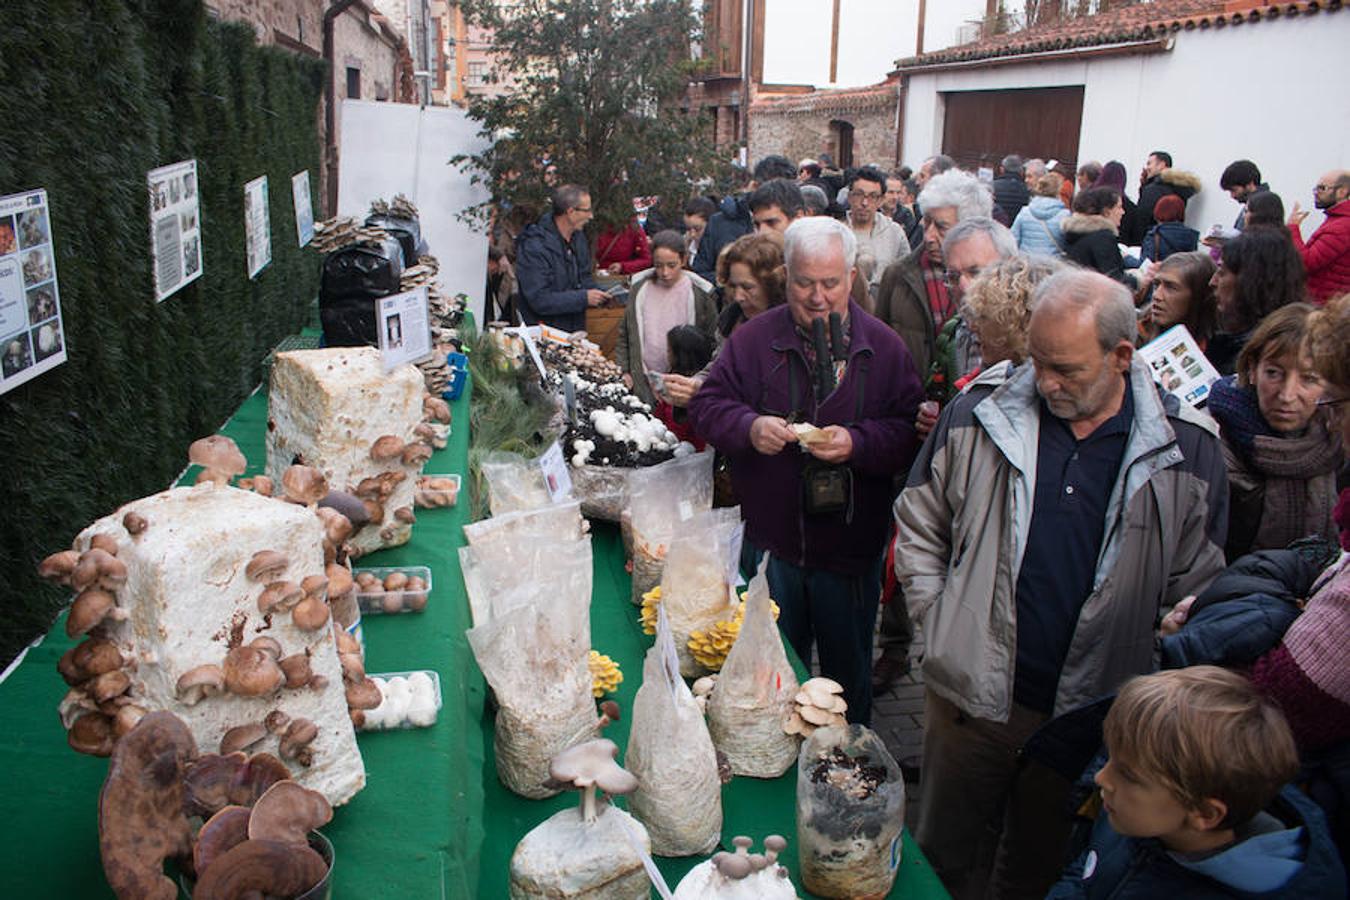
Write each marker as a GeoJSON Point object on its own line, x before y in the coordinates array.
{"type": "Point", "coordinates": [1245, 611]}
{"type": "Point", "coordinates": [1010, 192]}
{"type": "Point", "coordinates": [1167, 238]}
{"type": "Point", "coordinates": [731, 220]}
{"type": "Point", "coordinates": [1170, 181]}
{"type": "Point", "coordinates": [1125, 868]}
{"type": "Point", "coordinates": [1090, 241]}
{"type": "Point", "coordinates": [553, 276]}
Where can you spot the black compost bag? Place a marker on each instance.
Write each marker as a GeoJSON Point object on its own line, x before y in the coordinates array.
{"type": "Point", "coordinates": [354, 279]}
{"type": "Point", "coordinates": [407, 231]}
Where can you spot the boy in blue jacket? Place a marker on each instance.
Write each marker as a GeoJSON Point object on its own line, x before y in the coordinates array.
{"type": "Point", "coordinates": [1193, 800]}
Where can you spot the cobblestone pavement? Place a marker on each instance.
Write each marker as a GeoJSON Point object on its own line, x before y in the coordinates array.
{"type": "Point", "coordinates": [897, 715]}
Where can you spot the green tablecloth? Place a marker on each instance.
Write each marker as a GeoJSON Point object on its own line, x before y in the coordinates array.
{"type": "Point", "coordinates": [433, 821]}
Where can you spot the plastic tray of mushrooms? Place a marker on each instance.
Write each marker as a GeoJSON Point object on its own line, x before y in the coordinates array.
{"type": "Point", "coordinates": [410, 700]}
{"type": "Point", "coordinates": [434, 491]}
{"type": "Point", "coordinates": [392, 589]}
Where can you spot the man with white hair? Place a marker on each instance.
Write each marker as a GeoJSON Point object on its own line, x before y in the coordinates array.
{"type": "Point", "coordinates": [1055, 514]}
{"type": "Point", "coordinates": [913, 297]}
{"type": "Point", "coordinates": [813, 404]}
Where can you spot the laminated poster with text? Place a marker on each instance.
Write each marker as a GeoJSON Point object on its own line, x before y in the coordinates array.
{"type": "Point", "coordinates": [32, 339]}
{"type": "Point", "coordinates": [175, 226]}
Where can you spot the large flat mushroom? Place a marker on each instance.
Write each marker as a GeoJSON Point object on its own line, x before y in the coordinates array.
{"type": "Point", "coordinates": [287, 813]}
{"type": "Point", "coordinates": [219, 458]}
{"type": "Point", "coordinates": [140, 809]}
{"type": "Point", "coordinates": [256, 868]}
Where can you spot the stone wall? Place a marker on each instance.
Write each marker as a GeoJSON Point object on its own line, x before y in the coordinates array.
{"type": "Point", "coordinates": [799, 125]}
{"type": "Point", "coordinates": [299, 20]}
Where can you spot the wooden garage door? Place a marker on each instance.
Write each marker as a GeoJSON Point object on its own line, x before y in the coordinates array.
{"type": "Point", "coordinates": [982, 127]}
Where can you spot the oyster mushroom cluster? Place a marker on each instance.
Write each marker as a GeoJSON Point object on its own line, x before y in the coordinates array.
{"type": "Point", "coordinates": [236, 823]}
{"type": "Point", "coordinates": [739, 874]}
{"type": "Point", "coordinates": [819, 703]}
{"type": "Point", "coordinates": [342, 231]}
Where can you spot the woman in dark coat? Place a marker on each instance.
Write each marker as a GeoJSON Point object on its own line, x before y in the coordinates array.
{"type": "Point", "coordinates": [1090, 234]}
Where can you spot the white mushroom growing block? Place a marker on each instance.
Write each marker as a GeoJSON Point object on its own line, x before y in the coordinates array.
{"type": "Point", "coordinates": [327, 408]}
{"type": "Point", "coordinates": [188, 601]}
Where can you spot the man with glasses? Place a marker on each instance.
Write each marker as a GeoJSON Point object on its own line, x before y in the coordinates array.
{"type": "Point", "coordinates": [880, 241]}
{"type": "Point", "coordinates": [553, 264]}
{"type": "Point", "coordinates": [1326, 255]}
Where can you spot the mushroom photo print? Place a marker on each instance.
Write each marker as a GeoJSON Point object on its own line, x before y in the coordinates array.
{"type": "Point", "coordinates": [32, 338]}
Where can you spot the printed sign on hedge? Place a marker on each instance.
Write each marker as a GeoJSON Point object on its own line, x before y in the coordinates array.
{"type": "Point", "coordinates": [32, 339]}
{"type": "Point", "coordinates": [175, 226]}
{"type": "Point", "coordinates": [257, 226]}
{"type": "Point", "coordinates": [304, 208]}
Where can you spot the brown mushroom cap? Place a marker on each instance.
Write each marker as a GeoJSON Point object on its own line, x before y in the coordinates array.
{"type": "Point", "coordinates": [203, 681]}
{"type": "Point", "coordinates": [267, 644]}
{"type": "Point", "coordinates": [287, 813]}
{"type": "Point", "coordinates": [109, 685]}
{"type": "Point", "coordinates": [266, 565]}
{"type": "Point", "coordinates": [134, 523]}
{"type": "Point", "coordinates": [250, 672]}
{"type": "Point", "coordinates": [415, 454]}
{"type": "Point", "coordinates": [304, 485]}
{"type": "Point", "coordinates": [280, 596]}
{"type": "Point", "coordinates": [91, 607]}
{"type": "Point", "coordinates": [365, 694]}
{"type": "Point", "coordinates": [219, 456]}
{"type": "Point", "coordinates": [297, 670]}
{"type": "Point", "coordinates": [311, 614]}
{"type": "Point", "coordinates": [386, 447]}
{"type": "Point", "coordinates": [405, 515]}
{"type": "Point", "coordinates": [336, 527]}
{"type": "Point", "coordinates": [140, 809]}
{"type": "Point", "coordinates": [315, 585]}
{"type": "Point", "coordinates": [339, 579]}
{"type": "Point", "coordinates": [258, 484]}
{"type": "Point", "coordinates": [261, 868]}
{"type": "Point", "coordinates": [91, 733]}
{"type": "Point", "coordinates": [349, 505]}
{"type": "Point", "coordinates": [98, 566]}
{"type": "Point", "coordinates": [94, 657]}
{"type": "Point", "coordinates": [257, 775]}
{"type": "Point", "coordinates": [59, 566]}
{"type": "Point", "coordinates": [241, 737]}
{"type": "Point", "coordinates": [353, 668]}
{"type": "Point", "coordinates": [208, 783]}
{"type": "Point", "coordinates": [105, 542]}
{"type": "Point", "coordinates": [226, 829]}
{"type": "Point", "coordinates": [297, 738]}
{"type": "Point", "coordinates": [127, 718]}
{"type": "Point", "coordinates": [592, 763]}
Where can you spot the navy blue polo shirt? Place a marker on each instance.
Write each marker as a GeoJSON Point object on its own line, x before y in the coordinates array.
{"type": "Point", "coordinates": [1074, 479]}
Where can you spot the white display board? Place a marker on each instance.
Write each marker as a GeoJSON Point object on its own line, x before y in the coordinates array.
{"type": "Point", "coordinates": [404, 328]}
{"type": "Point", "coordinates": [32, 338]}
{"type": "Point", "coordinates": [399, 148]}
{"type": "Point", "coordinates": [257, 225]}
{"type": "Point", "coordinates": [304, 209]}
{"type": "Point", "coordinates": [175, 226]}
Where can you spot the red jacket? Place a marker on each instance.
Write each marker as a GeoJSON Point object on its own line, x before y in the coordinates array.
{"type": "Point", "coordinates": [1326, 255]}
{"type": "Point", "coordinates": [629, 248]}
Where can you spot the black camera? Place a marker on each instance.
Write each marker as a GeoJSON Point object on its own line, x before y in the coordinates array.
{"type": "Point", "coordinates": [826, 488]}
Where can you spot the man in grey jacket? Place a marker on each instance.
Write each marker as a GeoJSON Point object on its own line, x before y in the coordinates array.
{"type": "Point", "coordinates": [1055, 514]}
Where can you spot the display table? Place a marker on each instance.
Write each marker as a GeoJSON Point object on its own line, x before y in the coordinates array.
{"type": "Point", "coordinates": [432, 821]}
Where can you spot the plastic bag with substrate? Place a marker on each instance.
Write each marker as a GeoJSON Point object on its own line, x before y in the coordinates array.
{"type": "Point", "coordinates": [679, 795]}
{"type": "Point", "coordinates": [501, 574]}
{"type": "Point", "coordinates": [533, 650]}
{"type": "Point", "coordinates": [561, 522]}
{"type": "Point", "coordinates": [602, 490]}
{"type": "Point", "coordinates": [663, 498]}
{"type": "Point", "coordinates": [850, 812]}
{"type": "Point", "coordinates": [753, 697]}
{"type": "Point", "coordinates": [698, 581]}
{"type": "Point", "coordinates": [514, 483]}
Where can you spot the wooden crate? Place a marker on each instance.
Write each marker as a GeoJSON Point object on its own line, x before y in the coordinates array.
{"type": "Point", "coordinates": [602, 326]}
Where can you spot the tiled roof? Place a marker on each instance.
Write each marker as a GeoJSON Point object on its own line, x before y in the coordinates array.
{"type": "Point", "coordinates": [1137, 22]}
{"type": "Point", "coordinates": [828, 100]}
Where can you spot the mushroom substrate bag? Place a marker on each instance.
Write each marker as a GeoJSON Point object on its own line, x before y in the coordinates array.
{"type": "Point", "coordinates": [849, 817]}
{"type": "Point", "coordinates": [698, 581]}
{"type": "Point", "coordinates": [534, 654]}
{"type": "Point", "coordinates": [514, 483]}
{"type": "Point", "coordinates": [679, 795]}
{"type": "Point", "coordinates": [753, 697]}
{"type": "Point", "coordinates": [561, 522]}
{"type": "Point", "coordinates": [663, 498]}
{"type": "Point", "coordinates": [602, 490]}
{"type": "Point", "coordinates": [500, 575]}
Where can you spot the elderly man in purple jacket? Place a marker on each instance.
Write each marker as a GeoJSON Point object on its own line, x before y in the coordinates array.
{"type": "Point", "coordinates": [818, 500]}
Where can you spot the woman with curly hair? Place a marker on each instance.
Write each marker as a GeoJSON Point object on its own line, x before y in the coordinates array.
{"type": "Point", "coordinates": [750, 271]}
{"type": "Point", "coordinates": [1182, 295]}
{"type": "Point", "coordinates": [1259, 272]}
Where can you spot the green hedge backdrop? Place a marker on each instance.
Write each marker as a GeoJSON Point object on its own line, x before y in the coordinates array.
{"type": "Point", "coordinates": [93, 94]}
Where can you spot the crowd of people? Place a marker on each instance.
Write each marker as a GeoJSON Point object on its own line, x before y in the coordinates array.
{"type": "Point", "coordinates": [927, 391]}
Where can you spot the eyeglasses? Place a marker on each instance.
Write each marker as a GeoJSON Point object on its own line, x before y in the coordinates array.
{"type": "Point", "coordinates": [1324, 187]}
{"type": "Point", "coordinates": [581, 209]}
{"type": "Point", "coordinates": [865, 195]}
{"type": "Point", "coordinates": [953, 276]}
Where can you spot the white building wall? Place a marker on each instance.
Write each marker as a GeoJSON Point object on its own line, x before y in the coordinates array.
{"type": "Point", "coordinates": [1268, 91]}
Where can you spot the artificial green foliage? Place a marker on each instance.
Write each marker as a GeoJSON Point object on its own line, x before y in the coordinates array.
{"type": "Point", "coordinates": [596, 90]}
{"type": "Point", "coordinates": [96, 93]}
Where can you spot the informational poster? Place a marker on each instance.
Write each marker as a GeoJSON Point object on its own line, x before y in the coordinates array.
{"type": "Point", "coordinates": [404, 328]}
{"type": "Point", "coordinates": [1179, 365]}
{"type": "Point", "coordinates": [557, 478]}
{"type": "Point", "coordinates": [32, 339]}
{"type": "Point", "coordinates": [175, 226]}
{"type": "Point", "coordinates": [257, 226]}
{"type": "Point", "coordinates": [304, 209]}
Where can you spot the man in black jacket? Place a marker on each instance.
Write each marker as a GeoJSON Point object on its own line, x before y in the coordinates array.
{"type": "Point", "coordinates": [1158, 180]}
{"type": "Point", "coordinates": [733, 217]}
{"type": "Point", "coordinates": [553, 264]}
{"type": "Point", "coordinates": [1242, 179]}
{"type": "Point", "coordinates": [1010, 187]}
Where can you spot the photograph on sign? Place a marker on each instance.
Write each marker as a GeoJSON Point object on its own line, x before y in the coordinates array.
{"type": "Point", "coordinates": [32, 338]}
{"type": "Point", "coordinates": [404, 328]}
{"type": "Point", "coordinates": [175, 227]}
{"type": "Point", "coordinates": [1179, 365]}
{"type": "Point", "coordinates": [257, 226]}
{"type": "Point", "coordinates": [304, 208]}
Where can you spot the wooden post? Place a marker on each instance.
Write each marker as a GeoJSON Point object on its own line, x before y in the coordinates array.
{"type": "Point", "coordinates": [918, 35]}
{"type": "Point", "coordinates": [834, 45]}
